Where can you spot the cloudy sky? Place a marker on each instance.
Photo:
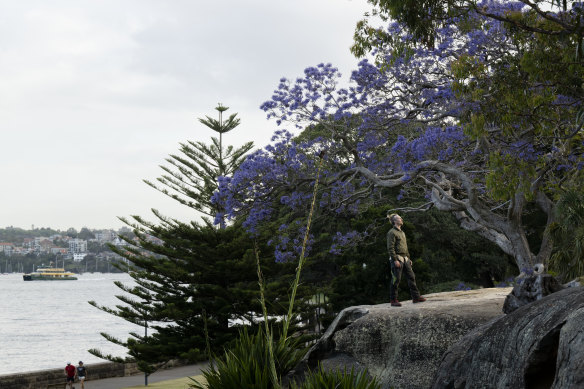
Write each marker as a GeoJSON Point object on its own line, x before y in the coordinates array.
{"type": "Point", "coordinates": [95, 94]}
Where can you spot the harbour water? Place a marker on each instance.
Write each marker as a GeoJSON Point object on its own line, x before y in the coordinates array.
{"type": "Point", "coordinates": [44, 324]}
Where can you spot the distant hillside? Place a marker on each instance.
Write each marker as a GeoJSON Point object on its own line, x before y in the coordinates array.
{"type": "Point", "coordinates": [17, 235]}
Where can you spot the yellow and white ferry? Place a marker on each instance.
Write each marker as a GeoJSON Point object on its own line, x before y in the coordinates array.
{"type": "Point", "coordinates": [49, 274]}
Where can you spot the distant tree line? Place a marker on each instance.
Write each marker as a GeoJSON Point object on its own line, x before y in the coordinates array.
{"type": "Point", "coordinates": [30, 262]}
{"type": "Point", "coordinates": [17, 235]}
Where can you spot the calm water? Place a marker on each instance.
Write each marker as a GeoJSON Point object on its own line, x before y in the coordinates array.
{"type": "Point", "coordinates": [44, 324]}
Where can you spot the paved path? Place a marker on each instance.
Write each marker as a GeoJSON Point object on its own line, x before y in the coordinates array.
{"type": "Point", "coordinates": [161, 375]}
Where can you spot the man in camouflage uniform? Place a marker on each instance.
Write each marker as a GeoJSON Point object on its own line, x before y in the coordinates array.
{"type": "Point", "coordinates": [399, 259]}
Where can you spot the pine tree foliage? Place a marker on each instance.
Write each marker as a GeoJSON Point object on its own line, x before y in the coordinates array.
{"type": "Point", "coordinates": [191, 177]}
{"type": "Point", "coordinates": [193, 284]}
{"type": "Point", "coordinates": [199, 277]}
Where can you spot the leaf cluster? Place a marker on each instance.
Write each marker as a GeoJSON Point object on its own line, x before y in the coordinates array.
{"type": "Point", "coordinates": [246, 363]}
{"type": "Point", "coordinates": [342, 379]}
{"type": "Point", "coordinates": [568, 234]}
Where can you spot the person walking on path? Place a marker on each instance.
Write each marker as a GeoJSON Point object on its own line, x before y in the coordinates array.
{"type": "Point", "coordinates": [70, 373]}
{"type": "Point", "coordinates": [81, 374]}
{"type": "Point", "coordinates": [399, 259]}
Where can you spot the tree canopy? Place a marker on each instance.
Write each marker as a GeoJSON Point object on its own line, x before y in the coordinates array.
{"type": "Point", "coordinates": [484, 123]}
{"type": "Point", "coordinates": [423, 17]}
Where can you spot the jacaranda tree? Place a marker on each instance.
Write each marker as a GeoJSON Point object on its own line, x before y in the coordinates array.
{"type": "Point", "coordinates": [484, 122]}
{"type": "Point", "coordinates": [423, 17]}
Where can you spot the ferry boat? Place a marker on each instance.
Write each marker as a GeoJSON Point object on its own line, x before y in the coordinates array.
{"type": "Point", "coordinates": [49, 274]}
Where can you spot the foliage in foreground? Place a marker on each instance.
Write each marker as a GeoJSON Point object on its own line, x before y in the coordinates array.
{"type": "Point", "coordinates": [246, 363]}
{"type": "Point", "coordinates": [321, 379]}
{"type": "Point", "coordinates": [568, 235]}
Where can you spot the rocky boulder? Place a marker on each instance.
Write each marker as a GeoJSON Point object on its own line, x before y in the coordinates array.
{"type": "Point", "coordinates": [538, 345]}
{"type": "Point", "coordinates": [403, 346]}
{"type": "Point", "coordinates": [530, 289]}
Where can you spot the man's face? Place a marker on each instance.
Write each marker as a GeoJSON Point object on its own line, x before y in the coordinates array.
{"type": "Point", "coordinates": [397, 221]}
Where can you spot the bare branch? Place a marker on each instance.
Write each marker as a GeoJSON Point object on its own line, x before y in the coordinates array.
{"type": "Point", "coordinates": [422, 208]}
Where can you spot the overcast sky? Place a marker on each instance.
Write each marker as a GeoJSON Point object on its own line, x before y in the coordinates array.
{"type": "Point", "coordinates": [95, 94]}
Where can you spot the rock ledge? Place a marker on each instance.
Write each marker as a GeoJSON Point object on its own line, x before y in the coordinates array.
{"type": "Point", "coordinates": [403, 346]}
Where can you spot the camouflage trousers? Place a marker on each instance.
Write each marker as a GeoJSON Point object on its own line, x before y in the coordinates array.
{"type": "Point", "coordinates": [396, 274]}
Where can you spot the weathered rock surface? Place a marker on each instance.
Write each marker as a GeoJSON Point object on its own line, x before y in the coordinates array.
{"type": "Point", "coordinates": [403, 346]}
{"type": "Point", "coordinates": [530, 289]}
{"type": "Point", "coordinates": [539, 345]}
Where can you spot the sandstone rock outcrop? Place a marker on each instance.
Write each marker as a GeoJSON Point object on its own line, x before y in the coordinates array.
{"type": "Point", "coordinates": [539, 345]}
{"type": "Point", "coordinates": [403, 346]}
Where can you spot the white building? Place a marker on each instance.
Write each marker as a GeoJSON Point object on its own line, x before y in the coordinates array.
{"type": "Point", "coordinates": [6, 248]}
{"type": "Point", "coordinates": [77, 246]}
{"type": "Point", "coordinates": [105, 236]}
{"type": "Point", "coordinates": [79, 256]}
{"type": "Point", "coordinates": [119, 242]}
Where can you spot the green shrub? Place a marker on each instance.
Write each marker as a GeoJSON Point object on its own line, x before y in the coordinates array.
{"type": "Point", "coordinates": [325, 379]}
{"type": "Point", "coordinates": [246, 363]}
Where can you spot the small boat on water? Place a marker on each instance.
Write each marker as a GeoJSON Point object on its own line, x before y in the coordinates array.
{"type": "Point", "coordinates": [49, 274]}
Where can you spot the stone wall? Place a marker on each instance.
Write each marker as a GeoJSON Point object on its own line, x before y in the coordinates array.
{"type": "Point", "coordinates": [41, 378]}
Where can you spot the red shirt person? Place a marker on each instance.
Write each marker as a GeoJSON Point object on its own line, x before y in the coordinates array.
{"type": "Point", "coordinates": [70, 372]}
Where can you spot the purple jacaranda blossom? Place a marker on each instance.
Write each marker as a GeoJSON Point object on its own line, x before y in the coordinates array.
{"type": "Point", "coordinates": [401, 119]}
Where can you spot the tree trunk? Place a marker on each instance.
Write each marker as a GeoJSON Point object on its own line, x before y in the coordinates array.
{"type": "Point", "coordinates": [523, 256]}
{"type": "Point", "coordinates": [511, 239]}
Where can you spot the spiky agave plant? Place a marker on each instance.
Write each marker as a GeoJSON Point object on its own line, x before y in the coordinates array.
{"type": "Point", "coordinates": [338, 379]}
